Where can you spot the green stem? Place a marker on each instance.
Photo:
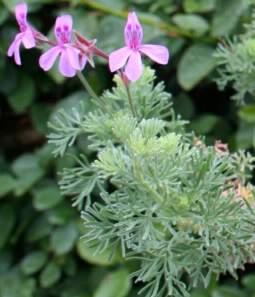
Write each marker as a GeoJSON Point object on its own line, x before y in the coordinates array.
{"type": "Point", "coordinates": [87, 86]}
{"type": "Point", "coordinates": [130, 101]}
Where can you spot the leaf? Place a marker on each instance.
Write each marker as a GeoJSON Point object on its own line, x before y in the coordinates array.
{"type": "Point", "coordinates": [13, 284]}
{"type": "Point", "coordinates": [199, 5]}
{"type": "Point", "coordinates": [50, 275]}
{"type": "Point", "coordinates": [72, 101]}
{"type": "Point", "coordinates": [3, 14]}
{"type": "Point", "coordinates": [10, 4]}
{"type": "Point", "coordinates": [61, 214]}
{"type": "Point", "coordinates": [200, 293]}
{"type": "Point", "coordinates": [247, 113]}
{"type": "Point", "coordinates": [26, 164]}
{"type": "Point", "coordinates": [86, 22]}
{"type": "Point", "coordinates": [23, 95]}
{"type": "Point", "coordinates": [67, 161]}
{"type": "Point", "coordinates": [227, 15]}
{"type": "Point", "coordinates": [6, 259]}
{"type": "Point", "coordinates": [56, 75]}
{"type": "Point", "coordinates": [7, 221]}
{"type": "Point", "coordinates": [245, 136]}
{"type": "Point", "coordinates": [64, 238]}
{"type": "Point", "coordinates": [77, 286]}
{"type": "Point", "coordinates": [225, 291]}
{"type": "Point", "coordinates": [115, 284]}
{"type": "Point", "coordinates": [120, 4]}
{"type": "Point", "coordinates": [192, 23]}
{"type": "Point", "coordinates": [110, 33]}
{"type": "Point", "coordinates": [205, 123]}
{"type": "Point", "coordinates": [249, 281]}
{"type": "Point", "coordinates": [7, 184]}
{"type": "Point", "coordinates": [184, 106]}
{"type": "Point", "coordinates": [88, 254]}
{"type": "Point", "coordinates": [8, 85]}
{"type": "Point", "coordinates": [40, 113]}
{"type": "Point", "coordinates": [46, 197]}
{"type": "Point", "coordinates": [196, 63]}
{"type": "Point", "coordinates": [39, 229]}
{"type": "Point", "coordinates": [70, 266]}
{"type": "Point", "coordinates": [33, 262]}
{"type": "Point", "coordinates": [25, 183]}
{"type": "Point", "coordinates": [45, 156]}
{"type": "Point", "coordinates": [28, 171]}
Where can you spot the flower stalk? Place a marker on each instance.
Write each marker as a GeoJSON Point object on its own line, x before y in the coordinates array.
{"type": "Point", "coordinates": [86, 85]}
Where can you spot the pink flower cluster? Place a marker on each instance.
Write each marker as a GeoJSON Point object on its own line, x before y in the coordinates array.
{"type": "Point", "coordinates": [73, 55]}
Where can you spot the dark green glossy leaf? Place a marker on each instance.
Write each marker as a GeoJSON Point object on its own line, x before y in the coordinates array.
{"type": "Point", "coordinates": [21, 98]}
{"type": "Point", "coordinates": [50, 275]}
{"type": "Point", "coordinates": [199, 5]}
{"type": "Point", "coordinates": [7, 184]}
{"type": "Point", "coordinates": [39, 229]}
{"type": "Point", "coordinates": [196, 63]}
{"type": "Point", "coordinates": [249, 281]}
{"type": "Point", "coordinates": [115, 284]}
{"type": "Point", "coordinates": [13, 284]}
{"type": "Point", "coordinates": [64, 238]}
{"type": "Point", "coordinates": [247, 113]}
{"type": "Point", "coordinates": [46, 197]}
{"type": "Point", "coordinates": [227, 16]}
{"type": "Point", "coordinates": [192, 23]}
{"type": "Point", "coordinates": [205, 123]}
{"type": "Point", "coordinates": [40, 113]}
{"type": "Point", "coordinates": [7, 221]}
{"type": "Point", "coordinates": [33, 262]}
{"type": "Point", "coordinates": [61, 214]}
{"type": "Point", "coordinates": [88, 254]}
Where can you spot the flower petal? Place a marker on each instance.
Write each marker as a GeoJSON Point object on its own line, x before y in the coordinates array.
{"type": "Point", "coordinates": [118, 58]}
{"type": "Point", "coordinates": [83, 61]}
{"type": "Point", "coordinates": [28, 39]}
{"type": "Point", "coordinates": [133, 31]}
{"type": "Point", "coordinates": [65, 67]}
{"type": "Point", "coordinates": [73, 57]}
{"type": "Point", "coordinates": [21, 13]}
{"type": "Point", "coordinates": [11, 49]}
{"type": "Point", "coordinates": [134, 68]}
{"type": "Point", "coordinates": [157, 53]}
{"type": "Point", "coordinates": [14, 49]}
{"type": "Point", "coordinates": [17, 52]}
{"type": "Point", "coordinates": [63, 28]}
{"type": "Point", "coordinates": [12, 46]}
{"type": "Point", "coordinates": [47, 59]}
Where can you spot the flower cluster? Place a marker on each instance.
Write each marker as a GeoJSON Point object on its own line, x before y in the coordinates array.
{"type": "Point", "coordinates": [74, 53]}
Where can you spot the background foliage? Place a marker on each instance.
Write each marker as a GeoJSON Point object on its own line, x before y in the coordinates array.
{"type": "Point", "coordinates": [34, 217]}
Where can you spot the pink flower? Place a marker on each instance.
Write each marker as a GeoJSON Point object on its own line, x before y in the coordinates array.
{"type": "Point", "coordinates": [130, 55]}
{"type": "Point", "coordinates": [26, 36]}
{"type": "Point", "coordinates": [71, 58]}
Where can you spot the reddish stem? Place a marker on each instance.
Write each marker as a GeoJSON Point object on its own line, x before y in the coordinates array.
{"type": "Point", "coordinates": [41, 38]}
{"type": "Point", "coordinates": [89, 43]}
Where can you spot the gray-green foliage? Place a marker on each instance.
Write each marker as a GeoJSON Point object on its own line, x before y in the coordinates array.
{"type": "Point", "coordinates": [236, 64]}
{"type": "Point", "coordinates": [183, 210]}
